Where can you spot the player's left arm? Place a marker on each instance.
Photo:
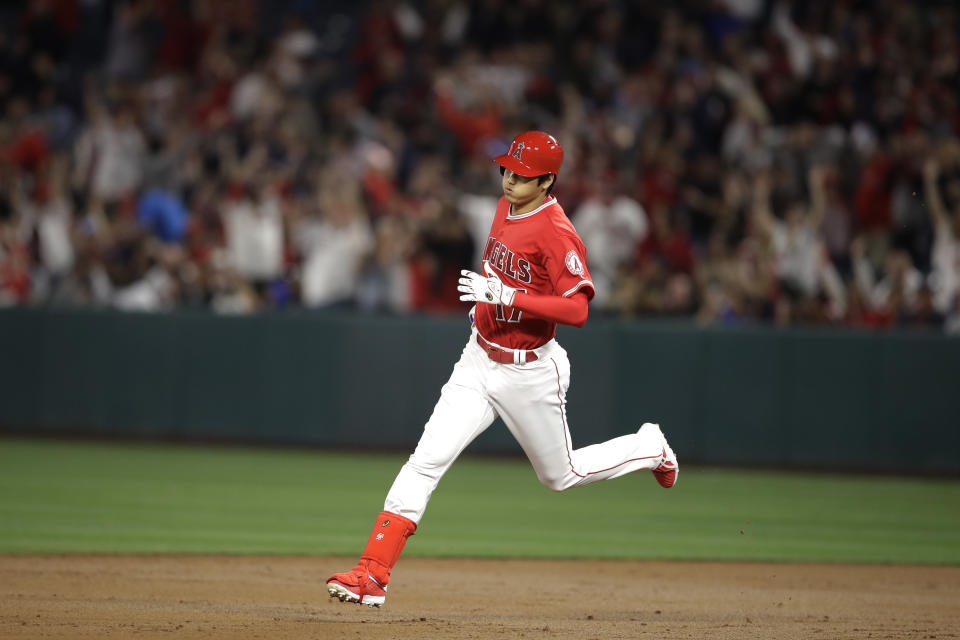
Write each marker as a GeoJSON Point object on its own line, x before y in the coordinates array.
{"type": "Point", "coordinates": [564, 258]}
{"type": "Point", "coordinates": [570, 309]}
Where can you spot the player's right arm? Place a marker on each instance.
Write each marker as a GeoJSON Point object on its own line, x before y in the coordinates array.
{"type": "Point", "coordinates": [761, 212]}
{"type": "Point", "coordinates": [816, 183]}
{"type": "Point", "coordinates": [931, 192]}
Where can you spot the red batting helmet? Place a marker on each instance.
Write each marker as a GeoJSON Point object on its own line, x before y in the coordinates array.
{"type": "Point", "coordinates": [531, 154]}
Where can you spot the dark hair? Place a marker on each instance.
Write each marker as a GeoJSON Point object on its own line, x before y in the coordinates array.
{"type": "Point", "coordinates": [543, 178]}
{"type": "Point", "coordinates": [540, 179]}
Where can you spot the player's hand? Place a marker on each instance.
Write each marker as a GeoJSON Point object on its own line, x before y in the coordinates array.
{"type": "Point", "coordinates": [477, 288]}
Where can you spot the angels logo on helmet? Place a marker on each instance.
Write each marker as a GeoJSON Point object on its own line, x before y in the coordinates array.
{"type": "Point", "coordinates": [532, 154]}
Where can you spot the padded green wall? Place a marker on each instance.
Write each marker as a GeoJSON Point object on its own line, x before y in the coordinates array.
{"type": "Point", "coordinates": [808, 398]}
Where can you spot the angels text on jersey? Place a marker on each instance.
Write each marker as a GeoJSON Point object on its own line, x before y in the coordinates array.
{"type": "Point", "coordinates": [506, 261]}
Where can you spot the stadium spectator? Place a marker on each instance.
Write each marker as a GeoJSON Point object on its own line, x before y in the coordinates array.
{"type": "Point", "coordinates": [898, 294]}
{"type": "Point", "coordinates": [156, 154]}
{"type": "Point", "coordinates": [334, 238]}
{"type": "Point", "coordinates": [805, 274]}
{"type": "Point", "coordinates": [610, 224]}
{"type": "Point", "coordinates": [945, 219]}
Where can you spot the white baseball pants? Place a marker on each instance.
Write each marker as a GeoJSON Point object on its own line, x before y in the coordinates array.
{"type": "Point", "coordinates": [531, 399]}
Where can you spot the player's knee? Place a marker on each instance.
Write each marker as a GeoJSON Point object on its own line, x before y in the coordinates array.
{"type": "Point", "coordinates": [555, 482]}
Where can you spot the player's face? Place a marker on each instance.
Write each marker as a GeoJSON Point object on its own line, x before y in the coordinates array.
{"type": "Point", "coordinates": [521, 191]}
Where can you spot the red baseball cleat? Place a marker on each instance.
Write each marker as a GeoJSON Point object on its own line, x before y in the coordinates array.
{"type": "Point", "coordinates": [668, 470]}
{"type": "Point", "coordinates": [357, 586]}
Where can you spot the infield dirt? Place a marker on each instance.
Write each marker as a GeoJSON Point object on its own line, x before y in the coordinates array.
{"type": "Point", "coordinates": [108, 597]}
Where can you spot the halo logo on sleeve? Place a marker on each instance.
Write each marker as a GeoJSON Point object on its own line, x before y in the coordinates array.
{"type": "Point", "coordinates": [574, 265]}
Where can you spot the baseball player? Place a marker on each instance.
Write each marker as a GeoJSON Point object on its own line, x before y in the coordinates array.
{"type": "Point", "coordinates": [534, 277]}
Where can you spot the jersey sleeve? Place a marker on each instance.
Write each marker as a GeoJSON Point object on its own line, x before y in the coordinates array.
{"type": "Point", "coordinates": [565, 258]}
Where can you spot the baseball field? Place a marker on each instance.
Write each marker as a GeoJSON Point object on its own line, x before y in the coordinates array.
{"type": "Point", "coordinates": [114, 540]}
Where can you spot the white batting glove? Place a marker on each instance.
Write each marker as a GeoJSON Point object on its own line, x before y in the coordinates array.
{"type": "Point", "coordinates": [489, 289]}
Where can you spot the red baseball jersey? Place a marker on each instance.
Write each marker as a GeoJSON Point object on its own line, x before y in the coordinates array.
{"type": "Point", "coordinates": [538, 252]}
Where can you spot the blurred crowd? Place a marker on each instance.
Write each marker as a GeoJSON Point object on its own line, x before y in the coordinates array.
{"type": "Point", "coordinates": [726, 160]}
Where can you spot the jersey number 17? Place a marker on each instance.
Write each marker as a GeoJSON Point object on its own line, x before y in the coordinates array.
{"type": "Point", "coordinates": [515, 314]}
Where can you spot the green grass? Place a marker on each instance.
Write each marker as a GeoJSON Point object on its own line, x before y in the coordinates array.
{"type": "Point", "coordinates": [81, 497]}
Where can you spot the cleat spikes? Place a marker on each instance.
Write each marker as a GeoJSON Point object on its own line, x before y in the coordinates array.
{"type": "Point", "coordinates": [358, 588]}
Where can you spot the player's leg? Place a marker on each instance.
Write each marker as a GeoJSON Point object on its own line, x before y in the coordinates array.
{"type": "Point", "coordinates": [367, 582]}
{"type": "Point", "coordinates": [461, 414]}
{"type": "Point", "coordinates": [532, 402]}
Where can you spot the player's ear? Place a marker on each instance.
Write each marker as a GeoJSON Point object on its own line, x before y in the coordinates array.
{"type": "Point", "coordinates": [546, 181]}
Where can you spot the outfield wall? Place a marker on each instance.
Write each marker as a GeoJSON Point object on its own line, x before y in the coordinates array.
{"type": "Point", "coordinates": [805, 398]}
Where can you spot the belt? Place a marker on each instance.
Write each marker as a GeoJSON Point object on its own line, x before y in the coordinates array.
{"type": "Point", "coordinates": [506, 356]}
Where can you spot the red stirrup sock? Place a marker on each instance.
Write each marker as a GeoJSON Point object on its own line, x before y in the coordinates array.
{"type": "Point", "coordinates": [386, 543]}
